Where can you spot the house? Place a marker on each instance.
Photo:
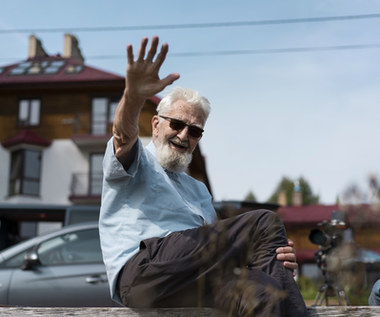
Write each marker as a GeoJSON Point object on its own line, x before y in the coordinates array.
{"type": "Point", "coordinates": [56, 115]}
{"type": "Point", "coordinates": [356, 225]}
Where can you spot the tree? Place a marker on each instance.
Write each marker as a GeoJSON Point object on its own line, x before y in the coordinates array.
{"type": "Point", "coordinates": [289, 186]}
{"type": "Point", "coordinates": [308, 198]}
{"type": "Point", "coordinates": [250, 196]}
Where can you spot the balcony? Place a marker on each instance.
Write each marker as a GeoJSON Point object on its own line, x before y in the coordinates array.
{"type": "Point", "coordinates": [91, 136]}
{"type": "Point", "coordinates": [86, 188]}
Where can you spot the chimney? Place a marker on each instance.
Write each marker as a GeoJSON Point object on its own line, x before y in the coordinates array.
{"type": "Point", "coordinates": [282, 198]}
{"type": "Point", "coordinates": [297, 194]}
{"type": "Point", "coordinates": [71, 47]}
{"type": "Point", "coordinates": [35, 48]}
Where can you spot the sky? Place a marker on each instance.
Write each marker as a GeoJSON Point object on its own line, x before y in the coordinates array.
{"type": "Point", "coordinates": [277, 110]}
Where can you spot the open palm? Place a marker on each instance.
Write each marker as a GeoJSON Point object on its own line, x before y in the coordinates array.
{"type": "Point", "coordinates": [142, 80]}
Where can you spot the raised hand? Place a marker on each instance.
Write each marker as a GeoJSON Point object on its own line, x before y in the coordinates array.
{"type": "Point", "coordinates": [142, 79]}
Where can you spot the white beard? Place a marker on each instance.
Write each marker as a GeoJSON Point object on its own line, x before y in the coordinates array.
{"type": "Point", "coordinates": [172, 160]}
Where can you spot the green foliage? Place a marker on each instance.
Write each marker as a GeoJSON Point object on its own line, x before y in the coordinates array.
{"type": "Point", "coordinates": [287, 185]}
{"type": "Point", "coordinates": [358, 297]}
{"type": "Point", "coordinates": [308, 198]}
{"type": "Point", "coordinates": [250, 196]}
{"type": "Point", "coordinates": [307, 287]}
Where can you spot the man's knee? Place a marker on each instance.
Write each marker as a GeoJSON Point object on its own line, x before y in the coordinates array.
{"type": "Point", "coordinates": [264, 219]}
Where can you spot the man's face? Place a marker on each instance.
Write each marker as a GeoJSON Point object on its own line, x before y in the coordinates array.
{"type": "Point", "coordinates": [176, 146]}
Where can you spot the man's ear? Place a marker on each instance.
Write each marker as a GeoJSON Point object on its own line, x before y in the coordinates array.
{"type": "Point", "coordinates": [155, 122]}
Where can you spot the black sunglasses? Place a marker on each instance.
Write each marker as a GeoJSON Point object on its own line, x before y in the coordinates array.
{"type": "Point", "coordinates": [178, 125]}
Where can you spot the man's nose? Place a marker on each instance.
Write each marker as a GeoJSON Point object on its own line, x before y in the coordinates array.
{"type": "Point", "coordinates": [184, 133]}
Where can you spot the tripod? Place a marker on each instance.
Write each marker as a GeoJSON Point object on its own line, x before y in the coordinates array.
{"type": "Point", "coordinates": [328, 289]}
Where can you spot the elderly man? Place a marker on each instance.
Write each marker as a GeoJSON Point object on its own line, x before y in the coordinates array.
{"type": "Point", "coordinates": [161, 241]}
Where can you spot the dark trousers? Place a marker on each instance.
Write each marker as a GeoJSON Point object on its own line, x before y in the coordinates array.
{"type": "Point", "coordinates": [229, 265]}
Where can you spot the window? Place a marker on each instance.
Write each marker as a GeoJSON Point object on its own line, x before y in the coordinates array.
{"type": "Point", "coordinates": [103, 112]}
{"type": "Point", "coordinates": [17, 260]}
{"type": "Point", "coordinates": [75, 247]}
{"type": "Point", "coordinates": [25, 172]}
{"type": "Point", "coordinates": [37, 68]}
{"type": "Point", "coordinates": [96, 174]}
{"type": "Point", "coordinates": [29, 112]}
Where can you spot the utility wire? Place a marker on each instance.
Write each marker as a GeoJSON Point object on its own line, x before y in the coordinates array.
{"type": "Point", "coordinates": [255, 51]}
{"type": "Point", "coordinates": [243, 52]}
{"type": "Point", "coordinates": [191, 25]}
{"type": "Point", "coordinates": [277, 50]}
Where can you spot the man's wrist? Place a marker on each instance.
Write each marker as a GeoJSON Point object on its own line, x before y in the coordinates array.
{"type": "Point", "coordinates": [132, 98]}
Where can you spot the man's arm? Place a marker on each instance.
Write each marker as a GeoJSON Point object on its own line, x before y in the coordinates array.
{"type": "Point", "coordinates": [141, 82]}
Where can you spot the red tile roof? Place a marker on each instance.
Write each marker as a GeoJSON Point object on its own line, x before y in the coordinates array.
{"type": "Point", "coordinates": [72, 70]}
{"type": "Point", "coordinates": [310, 214]}
{"type": "Point", "coordinates": [313, 214]}
{"type": "Point", "coordinates": [26, 137]}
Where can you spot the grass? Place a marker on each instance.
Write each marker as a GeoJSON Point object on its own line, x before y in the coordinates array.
{"type": "Point", "coordinates": [309, 289]}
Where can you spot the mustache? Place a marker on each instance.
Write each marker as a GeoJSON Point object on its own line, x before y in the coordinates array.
{"type": "Point", "coordinates": [177, 141]}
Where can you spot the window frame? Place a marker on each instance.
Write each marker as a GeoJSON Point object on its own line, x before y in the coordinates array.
{"type": "Point", "coordinates": [21, 173]}
{"type": "Point", "coordinates": [107, 116]}
{"type": "Point", "coordinates": [32, 105]}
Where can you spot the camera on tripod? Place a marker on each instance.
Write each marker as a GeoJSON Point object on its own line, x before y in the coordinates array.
{"type": "Point", "coordinates": [329, 238]}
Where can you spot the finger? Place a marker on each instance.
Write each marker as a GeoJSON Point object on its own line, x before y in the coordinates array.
{"type": "Point", "coordinates": [141, 54]}
{"type": "Point", "coordinates": [130, 54]}
{"type": "Point", "coordinates": [291, 265]}
{"type": "Point", "coordinates": [161, 56]}
{"type": "Point", "coordinates": [168, 80]}
{"type": "Point", "coordinates": [285, 250]}
{"type": "Point", "coordinates": [286, 257]}
{"type": "Point", "coordinates": [291, 242]}
{"type": "Point", "coordinates": [153, 49]}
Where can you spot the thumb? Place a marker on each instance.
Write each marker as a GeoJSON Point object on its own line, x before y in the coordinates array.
{"type": "Point", "coordinates": [168, 80]}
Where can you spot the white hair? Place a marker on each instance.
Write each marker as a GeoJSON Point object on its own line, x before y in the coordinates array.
{"type": "Point", "coordinates": [191, 96]}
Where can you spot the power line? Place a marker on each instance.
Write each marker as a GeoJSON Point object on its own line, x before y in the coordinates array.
{"type": "Point", "coordinates": [244, 52]}
{"type": "Point", "coordinates": [191, 25]}
{"type": "Point", "coordinates": [256, 51]}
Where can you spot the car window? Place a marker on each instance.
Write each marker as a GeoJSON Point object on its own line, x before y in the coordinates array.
{"type": "Point", "coordinates": [17, 260]}
{"type": "Point", "coordinates": [75, 247]}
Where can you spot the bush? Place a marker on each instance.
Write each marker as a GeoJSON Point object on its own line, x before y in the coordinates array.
{"type": "Point", "coordinates": [308, 287]}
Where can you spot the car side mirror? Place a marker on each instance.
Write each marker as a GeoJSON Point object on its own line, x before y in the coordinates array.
{"type": "Point", "coordinates": [30, 261]}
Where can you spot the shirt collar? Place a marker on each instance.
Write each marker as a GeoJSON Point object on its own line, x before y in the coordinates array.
{"type": "Point", "coordinates": [151, 148]}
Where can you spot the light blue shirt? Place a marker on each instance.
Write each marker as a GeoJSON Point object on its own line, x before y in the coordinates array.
{"type": "Point", "coordinates": [374, 297]}
{"type": "Point", "coordinates": [145, 202]}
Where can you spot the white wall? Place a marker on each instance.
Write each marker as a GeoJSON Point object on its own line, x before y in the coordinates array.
{"type": "Point", "coordinates": [59, 161]}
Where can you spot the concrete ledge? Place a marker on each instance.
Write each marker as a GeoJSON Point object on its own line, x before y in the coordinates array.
{"type": "Point", "coordinates": [330, 311]}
